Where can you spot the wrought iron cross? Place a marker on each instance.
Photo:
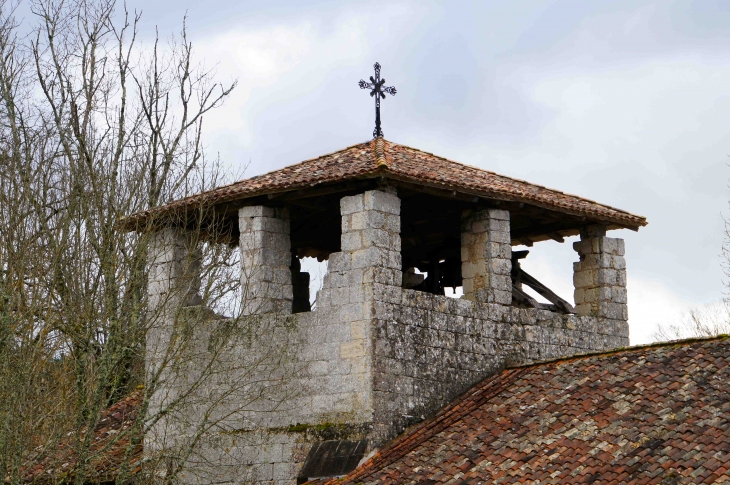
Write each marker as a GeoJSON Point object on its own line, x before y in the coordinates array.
{"type": "Point", "coordinates": [377, 90]}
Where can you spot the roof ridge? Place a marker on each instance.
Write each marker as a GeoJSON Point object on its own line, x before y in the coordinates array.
{"type": "Point", "coordinates": [379, 151]}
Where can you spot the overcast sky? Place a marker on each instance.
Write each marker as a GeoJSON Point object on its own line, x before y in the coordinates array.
{"type": "Point", "coordinates": [623, 102]}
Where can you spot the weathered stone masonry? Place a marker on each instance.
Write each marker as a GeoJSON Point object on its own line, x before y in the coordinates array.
{"type": "Point", "coordinates": [266, 279]}
{"type": "Point", "coordinates": [486, 256]}
{"type": "Point", "coordinates": [467, 341]}
{"type": "Point", "coordinates": [373, 357]}
{"type": "Point", "coordinates": [600, 275]}
{"type": "Point", "coordinates": [173, 284]}
{"type": "Point", "coordinates": [173, 269]}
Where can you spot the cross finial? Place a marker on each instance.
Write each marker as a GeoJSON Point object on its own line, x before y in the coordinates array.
{"type": "Point", "coordinates": [377, 90]}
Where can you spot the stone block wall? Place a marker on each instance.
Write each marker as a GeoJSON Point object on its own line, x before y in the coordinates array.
{"type": "Point", "coordinates": [173, 265]}
{"type": "Point", "coordinates": [423, 350]}
{"type": "Point", "coordinates": [373, 358]}
{"type": "Point", "coordinates": [269, 456]}
{"type": "Point", "coordinates": [600, 276]}
{"type": "Point", "coordinates": [486, 254]}
{"type": "Point", "coordinates": [257, 457]}
{"type": "Point", "coordinates": [369, 261]}
{"type": "Point", "coordinates": [428, 349]}
{"type": "Point", "coordinates": [266, 279]}
{"type": "Point", "coordinates": [305, 389]}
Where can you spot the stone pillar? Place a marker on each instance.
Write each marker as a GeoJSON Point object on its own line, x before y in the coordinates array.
{"type": "Point", "coordinates": [371, 235]}
{"type": "Point", "coordinates": [486, 253]}
{"type": "Point", "coordinates": [370, 256]}
{"type": "Point", "coordinates": [174, 269]}
{"type": "Point", "coordinates": [600, 275]}
{"type": "Point", "coordinates": [173, 263]}
{"type": "Point", "coordinates": [366, 270]}
{"type": "Point", "coordinates": [265, 258]}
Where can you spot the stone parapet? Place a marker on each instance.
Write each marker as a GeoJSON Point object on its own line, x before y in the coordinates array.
{"type": "Point", "coordinates": [429, 349]}
{"type": "Point", "coordinates": [265, 245]}
{"type": "Point", "coordinates": [600, 276]}
{"type": "Point", "coordinates": [486, 254]}
{"type": "Point", "coordinates": [420, 351]}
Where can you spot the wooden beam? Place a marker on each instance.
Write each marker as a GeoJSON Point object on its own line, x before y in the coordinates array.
{"type": "Point", "coordinates": [335, 188]}
{"type": "Point", "coordinates": [556, 237]}
{"type": "Point", "coordinates": [441, 193]}
{"type": "Point", "coordinates": [519, 254]}
{"type": "Point", "coordinates": [546, 230]}
{"type": "Point", "coordinates": [231, 208]}
{"type": "Point", "coordinates": [522, 297]}
{"type": "Point", "coordinates": [544, 291]}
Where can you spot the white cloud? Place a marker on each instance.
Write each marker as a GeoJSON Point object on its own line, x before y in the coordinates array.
{"type": "Point", "coordinates": [652, 304]}
{"type": "Point", "coordinates": [292, 74]}
{"type": "Point", "coordinates": [273, 65]}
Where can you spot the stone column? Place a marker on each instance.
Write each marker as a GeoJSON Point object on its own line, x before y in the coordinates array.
{"type": "Point", "coordinates": [486, 253]}
{"type": "Point", "coordinates": [265, 259]}
{"type": "Point", "coordinates": [600, 275]}
{"type": "Point", "coordinates": [366, 270]}
{"type": "Point", "coordinates": [174, 269]}
{"type": "Point", "coordinates": [370, 256]}
{"type": "Point", "coordinates": [173, 263]}
{"type": "Point", "coordinates": [371, 235]}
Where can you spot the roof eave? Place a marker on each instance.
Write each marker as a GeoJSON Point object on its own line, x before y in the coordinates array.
{"type": "Point", "coordinates": [636, 222]}
{"type": "Point", "coordinates": [146, 220]}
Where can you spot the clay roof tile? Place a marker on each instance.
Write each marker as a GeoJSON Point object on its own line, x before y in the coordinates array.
{"type": "Point", "coordinates": [382, 158]}
{"type": "Point", "coordinates": [109, 448]}
{"type": "Point", "coordinates": [635, 435]}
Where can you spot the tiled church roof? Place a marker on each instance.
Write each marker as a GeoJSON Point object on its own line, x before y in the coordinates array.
{"type": "Point", "coordinates": [109, 447]}
{"type": "Point", "coordinates": [658, 414]}
{"type": "Point", "coordinates": [381, 158]}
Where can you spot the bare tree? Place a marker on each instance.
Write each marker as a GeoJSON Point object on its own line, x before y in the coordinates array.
{"type": "Point", "coordinates": [708, 320]}
{"type": "Point", "coordinates": [94, 127]}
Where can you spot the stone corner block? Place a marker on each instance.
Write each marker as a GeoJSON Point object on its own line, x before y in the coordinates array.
{"type": "Point", "coordinates": [351, 204]}
{"type": "Point", "coordinates": [256, 211]}
{"type": "Point", "coordinates": [499, 214]}
{"type": "Point", "coordinates": [593, 230]}
{"type": "Point", "coordinates": [381, 201]}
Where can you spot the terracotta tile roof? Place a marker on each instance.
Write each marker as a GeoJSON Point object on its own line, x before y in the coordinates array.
{"type": "Point", "coordinates": [381, 158]}
{"type": "Point", "coordinates": [108, 449]}
{"type": "Point", "coordinates": [655, 414]}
